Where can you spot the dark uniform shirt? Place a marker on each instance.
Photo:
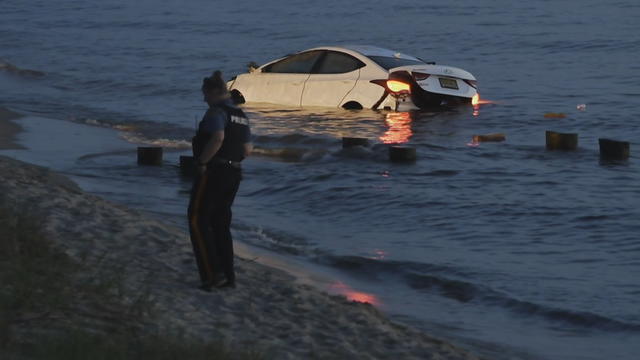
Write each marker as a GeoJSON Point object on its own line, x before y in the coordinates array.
{"type": "Point", "coordinates": [235, 124]}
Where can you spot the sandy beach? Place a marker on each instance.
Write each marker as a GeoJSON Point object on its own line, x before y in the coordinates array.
{"type": "Point", "coordinates": [269, 310]}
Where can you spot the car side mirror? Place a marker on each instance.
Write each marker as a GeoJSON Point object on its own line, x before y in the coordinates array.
{"type": "Point", "coordinates": [253, 67]}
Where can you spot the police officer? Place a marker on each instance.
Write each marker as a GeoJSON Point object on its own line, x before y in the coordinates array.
{"type": "Point", "coordinates": [222, 141]}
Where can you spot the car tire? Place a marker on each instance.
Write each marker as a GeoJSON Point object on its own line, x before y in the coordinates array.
{"type": "Point", "coordinates": [352, 105]}
{"type": "Point", "coordinates": [237, 97]}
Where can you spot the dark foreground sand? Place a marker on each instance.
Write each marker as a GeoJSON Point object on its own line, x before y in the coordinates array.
{"type": "Point", "coordinates": [8, 129]}
{"type": "Point", "coordinates": [269, 310]}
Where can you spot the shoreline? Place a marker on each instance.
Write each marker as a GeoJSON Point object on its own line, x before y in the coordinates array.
{"type": "Point", "coordinates": [269, 310]}
{"type": "Point", "coordinates": [9, 129]}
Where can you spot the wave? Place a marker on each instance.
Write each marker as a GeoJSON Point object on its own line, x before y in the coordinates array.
{"type": "Point", "coordinates": [146, 132]}
{"type": "Point", "coordinates": [95, 122]}
{"type": "Point", "coordinates": [166, 143]}
{"type": "Point", "coordinates": [12, 69]}
{"type": "Point", "coordinates": [293, 139]}
{"type": "Point", "coordinates": [446, 281]}
{"type": "Point", "coordinates": [289, 154]}
{"type": "Point", "coordinates": [582, 45]}
{"type": "Point", "coordinates": [272, 240]}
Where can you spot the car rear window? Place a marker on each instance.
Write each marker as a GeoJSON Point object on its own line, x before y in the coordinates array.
{"type": "Point", "coordinates": [389, 62]}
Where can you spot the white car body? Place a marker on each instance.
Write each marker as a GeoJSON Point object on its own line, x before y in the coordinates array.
{"type": "Point", "coordinates": [354, 77]}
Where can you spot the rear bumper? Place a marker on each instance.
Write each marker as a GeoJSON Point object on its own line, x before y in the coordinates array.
{"type": "Point", "coordinates": [426, 100]}
{"type": "Point", "coordinates": [429, 93]}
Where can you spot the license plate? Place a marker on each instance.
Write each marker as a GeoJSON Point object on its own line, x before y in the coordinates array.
{"type": "Point", "coordinates": [448, 83]}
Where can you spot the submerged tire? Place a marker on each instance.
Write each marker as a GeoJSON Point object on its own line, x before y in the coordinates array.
{"type": "Point", "coordinates": [237, 97]}
{"type": "Point", "coordinates": [352, 105]}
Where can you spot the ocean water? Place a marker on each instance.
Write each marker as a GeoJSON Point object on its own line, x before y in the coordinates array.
{"type": "Point", "coordinates": [510, 250]}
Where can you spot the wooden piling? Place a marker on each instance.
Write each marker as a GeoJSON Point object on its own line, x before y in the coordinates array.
{"type": "Point", "coordinates": [187, 165]}
{"type": "Point", "coordinates": [489, 138]}
{"type": "Point", "coordinates": [348, 142]}
{"type": "Point", "coordinates": [555, 115]}
{"type": "Point", "coordinates": [614, 150]}
{"type": "Point", "coordinates": [402, 154]}
{"type": "Point", "coordinates": [150, 156]}
{"type": "Point", "coordinates": [561, 141]}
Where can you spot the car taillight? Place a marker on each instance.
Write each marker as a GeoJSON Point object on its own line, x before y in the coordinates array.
{"type": "Point", "coordinates": [472, 83]}
{"type": "Point", "coordinates": [420, 76]}
{"type": "Point", "coordinates": [398, 86]}
{"type": "Point", "coordinates": [475, 100]}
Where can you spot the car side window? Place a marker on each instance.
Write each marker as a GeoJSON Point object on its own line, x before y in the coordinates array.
{"type": "Point", "coordinates": [295, 64]}
{"type": "Point", "coordinates": [338, 63]}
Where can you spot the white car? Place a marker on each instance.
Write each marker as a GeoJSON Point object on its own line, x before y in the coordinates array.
{"type": "Point", "coordinates": [355, 77]}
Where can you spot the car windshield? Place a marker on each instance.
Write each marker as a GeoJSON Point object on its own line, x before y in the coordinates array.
{"type": "Point", "coordinates": [389, 62]}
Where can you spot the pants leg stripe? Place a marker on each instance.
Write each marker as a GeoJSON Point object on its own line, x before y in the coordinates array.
{"type": "Point", "coordinates": [196, 226]}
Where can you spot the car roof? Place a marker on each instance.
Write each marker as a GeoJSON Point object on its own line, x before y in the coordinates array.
{"type": "Point", "coordinates": [360, 51]}
{"type": "Point", "coordinates": [367, 50]}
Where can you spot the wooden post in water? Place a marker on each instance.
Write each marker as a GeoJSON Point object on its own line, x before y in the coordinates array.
{"type": "Point", "coordinates": [489, 138]}
{"type": "Point", "coordinates": [402, 154]}
{"type": "Point", "coordinates": [614, 150]}
{"type": "Point", "coordinates": [348, 142]}
{"type": "Point", "coordinates": [150, 156]}
{"type": "Point", "coordinates": [561, 141]}
{"type": "Point", "coordinates": [187, 165]}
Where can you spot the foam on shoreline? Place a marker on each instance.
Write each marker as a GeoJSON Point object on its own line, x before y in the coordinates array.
{"type": "Point", "coordinates": [269, 310]}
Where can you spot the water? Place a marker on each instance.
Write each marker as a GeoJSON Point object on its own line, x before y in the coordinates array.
{"type": "Point", "coordinates": [506, 248]}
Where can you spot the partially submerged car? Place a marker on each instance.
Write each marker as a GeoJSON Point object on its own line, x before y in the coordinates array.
{"type": "Point", "coordinates": [355, 77]}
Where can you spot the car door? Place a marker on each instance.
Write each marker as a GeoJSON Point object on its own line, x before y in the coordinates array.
{"type": "Point", "coordinates": [333, 77]}
{"type": "Point", "coordinates": [283, 81]}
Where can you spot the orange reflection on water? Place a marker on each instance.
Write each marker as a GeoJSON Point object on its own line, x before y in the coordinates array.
{"type": "Point", "coordinates": [476, 101]}
{"type": "Point", "coordinates": [485, 102]}
{"type": "Point", "coordinates": [344, 289]}
{"type": "Point", "coordinates": [399, 130]}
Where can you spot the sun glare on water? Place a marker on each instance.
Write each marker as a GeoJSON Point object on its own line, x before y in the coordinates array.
{"type": "Point", "coordinates": [353, 295]}
{"type": "Point", "coordinates": [399, 128]}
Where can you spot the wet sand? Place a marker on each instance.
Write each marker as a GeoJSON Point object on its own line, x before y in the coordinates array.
{"type": "Point", "coordinates": [270, 310]}
{"type": "Point", "coordinates": [8, 129]}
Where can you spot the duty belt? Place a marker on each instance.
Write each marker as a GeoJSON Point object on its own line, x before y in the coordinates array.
{"type": "Point", "coordinates": [221, 161]}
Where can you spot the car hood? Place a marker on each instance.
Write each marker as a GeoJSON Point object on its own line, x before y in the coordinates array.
{"type": "Point", "coordinates": [436, 70]}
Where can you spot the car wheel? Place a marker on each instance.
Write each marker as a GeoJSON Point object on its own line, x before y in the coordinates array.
{"type": "Point", "coordinates": [352, 105]}
{"type": "Point", "coordinates": [236, 97]}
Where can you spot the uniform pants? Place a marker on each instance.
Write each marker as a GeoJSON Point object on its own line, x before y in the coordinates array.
{"type": "Point", "coordinates": [210, 221]}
